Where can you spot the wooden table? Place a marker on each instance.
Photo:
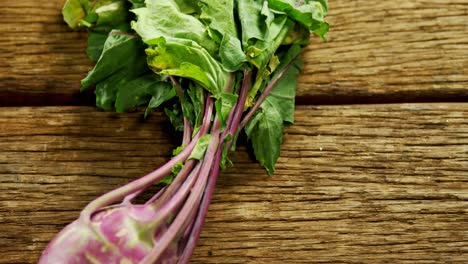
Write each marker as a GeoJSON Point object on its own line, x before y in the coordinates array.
{"type": "Point", "coordinates": [375, 170]}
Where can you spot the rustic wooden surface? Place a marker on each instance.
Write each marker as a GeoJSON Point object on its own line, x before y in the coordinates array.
{"type": "Point", "coordinates": [355, 184]}
{"type": "Point", "coordinates": [379, 51]}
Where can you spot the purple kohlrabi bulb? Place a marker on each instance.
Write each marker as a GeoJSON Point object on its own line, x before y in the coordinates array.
{"type": "Point", "coordinates": [113, 235]}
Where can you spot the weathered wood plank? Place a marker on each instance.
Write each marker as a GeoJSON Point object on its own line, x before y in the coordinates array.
{"type": "Point", "coordinates": [355, 184]}
{"type": "Point", "coordinates": [378, 51]}
{"type": "Point", "coordinates": [381, 51]}
{"type": "Point", "coordinates": [41, 60]}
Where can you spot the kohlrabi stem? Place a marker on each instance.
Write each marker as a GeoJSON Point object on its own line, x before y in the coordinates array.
{"type": "Point", "coordinates": [178, 87]}
{"type": "Point", "coordinates": [190, 207]}
{"type": "Point", "coordinates": [156, 196]}
{"type": "Point", "coordinates": [170, 207]}
{"type": "Point", "coordinates": [239, 109]}
{"type": "Point", "coordinates": [164, 192]}
{"type": "Point", "coordinates": [230, 128]}
{"type": "Point", "coordinates": [187, 132]}
{"type": "Point", "coordinates": [129, 198]}
{"type": "Point", "coordinates": [200, 217]}
{"type": "Point", "coordinates": [172, 188]}
{"type": "Point", "coordinates": [147, 180]}
{"type": "Point", "coordinates": [228, 89]}
{"type": "Point", "coordinates": [266, 92]}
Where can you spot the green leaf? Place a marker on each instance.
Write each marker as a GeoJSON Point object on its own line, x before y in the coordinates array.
{"type": "Point", "coordinates": [298, 35]}
{"type": "Point", "coordinates": [163, 19]}
{"type": "Point", "coordinates": [282, 96]}
{"type": "Point", "coordinates": [110, 12]}
{"type": "Point", "coordinates": [137, 91]}
{"type": "Point", "coordinates": [160, 92]}
{"type": "Point", "coordinates": [96, 42]}
{"type": "Point", "coordinates": [177, 168]}
{"type": "Point", "coordinates": [262, 30]}
{"type": "Point", "coordinates": [188, 6]}
{"type": "Point", "coordinates": [267, 13]}
{"type": "Point", "coordinates": [224, 155]}
{"type": "Point", "coordinates": [231, 54]}
{"type": "Point", "coordinates": [265, 131]}
{"type": "Point", "coordinates": [121, 51]}
{"type": "Point", "coordinates": [200, 148]}
{"type": "Point", "coordinates": [106, 90]}
{"type": "Point", "coordinates": [137, 3]}
{"type": "Point", "coordinates": [176, 117]}
{"type": "Point", "coordinates": [122, 60]}
{"type": "Point", "coordinates": [251, 20]}
{"type": "Point", "coordinates": [198, 40]}
{"type": "Point", "coordinates": [219, 15]}
{"type": "Point", "coordinates": [277, 32]}
{"type": "Point", "coordinates": [196, 96]}
{"type": "Point", "coordinates": [189, 61]}
{"type": "Point", "coordinates": [273, 63]}
{"type": "Point", "coordinates": [167, 179]}
{"type": "Point", "coordinates": [178, 150]}
{"type": "Point", "coordinates": [322, 31]}
{"type": "Point", "coordinates": [224, 105]}
{"type": "Point", "coordinates": [187, 107]}
{"type": "Point", "coordinates": [97, 38]}
{"type": "Point", "coordinates": [310, 13]}
{"type": "Point", "coordinates": [104, 15]}
{"type": "Point", "coordinates": [73, 12]}
{"type": "Point", "coordinates": [191, 71]}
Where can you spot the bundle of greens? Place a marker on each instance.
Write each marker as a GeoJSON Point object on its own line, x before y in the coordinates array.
{"type": "Point", "coordinates": [218, 68]}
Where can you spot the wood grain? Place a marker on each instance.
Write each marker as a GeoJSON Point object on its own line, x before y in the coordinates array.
{"type": "Point", "coordinates": [41, 60]}
{"type": "Point", "coordinates": [354, 184]}
{"type": "Point", "coordinates": [378, 51]}
{"type": "Point", "coordinates": [390, 51]}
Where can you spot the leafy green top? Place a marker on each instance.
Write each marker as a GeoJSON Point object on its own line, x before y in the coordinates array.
{"type": "Point", "coordinates": [206, 45]}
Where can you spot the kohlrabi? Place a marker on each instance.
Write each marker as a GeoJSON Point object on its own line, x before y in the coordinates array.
{"type": "Point", "coordinates": [217, 67]}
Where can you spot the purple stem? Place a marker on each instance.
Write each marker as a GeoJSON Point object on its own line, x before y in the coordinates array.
{"type": "Point", "coordinates": [239, 109]}
{"type": "Point", "coordinates": [129, 198]}
{"type": "Point", "coordinates": [229, 90]}
{"type": "Point", "coordinates": [185, 237]}
{"type": "Point", "coordinates": [170, 208]}
{"type": "Point", "coordinates": [265, 93]}
{"type": "Point", "coordinates": [172, 188]}
{"type": "Point", "coordinates": [187, 132]}
{"type": "Point", "coordinates": [232, 128]}
{"type": "Point", "coordinates": [190, 207]}
{"type": "Point", "coordinates": [179, 90]}
{"type": "Point", "coordinates": [168, 191]}
{"type": "Point", "coordinates": [147, 180]}
{"type": "Point", "coordinates": [163, 193]}
{"type": "Point", "coordinates": [199, 221]}
{"type": "Point", "coordinates": [156, 196]}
